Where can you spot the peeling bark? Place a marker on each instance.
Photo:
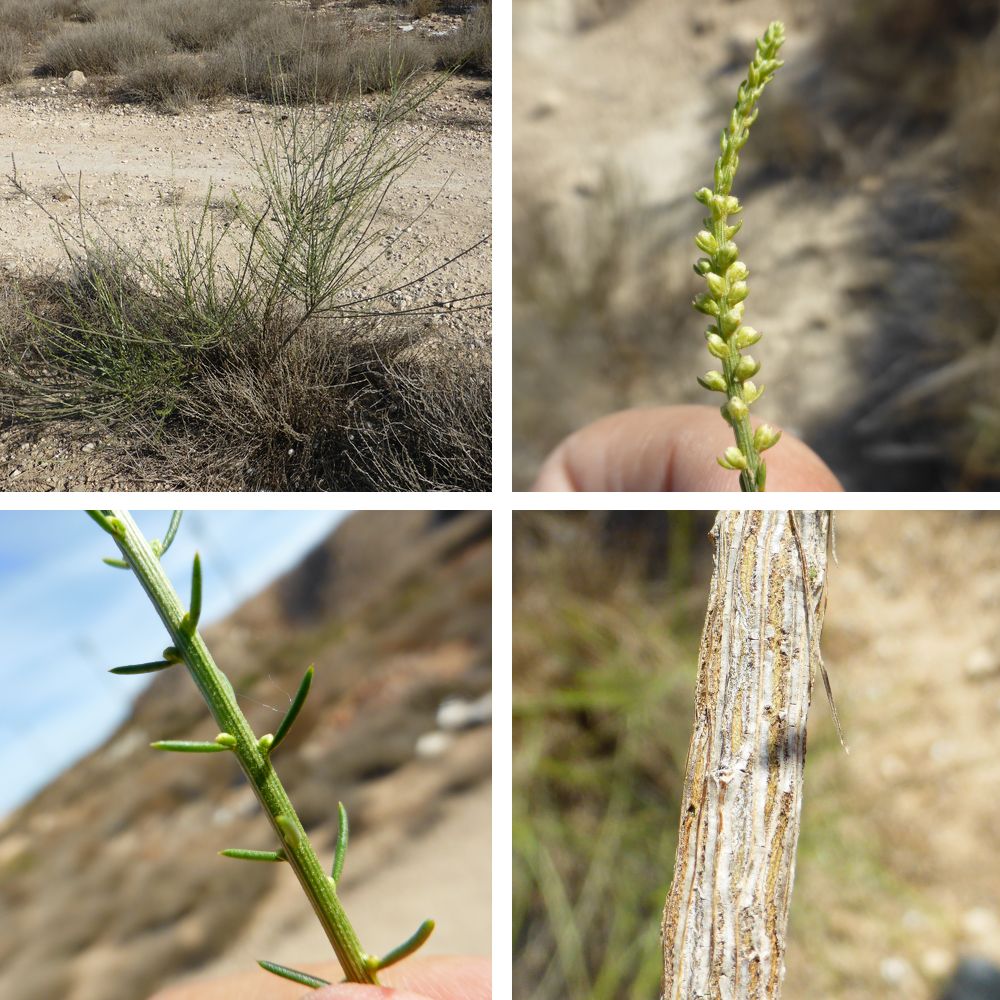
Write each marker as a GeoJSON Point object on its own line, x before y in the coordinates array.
{"type": "Point", "coordinates": [725, 917]}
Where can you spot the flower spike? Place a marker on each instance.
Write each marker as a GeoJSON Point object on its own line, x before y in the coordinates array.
{"type": "Point", "coordinates": [302, 978]}
{"type": "Point", "coordinates": [293, 710]}
{"type": "Point", "coordinates": [340, 852]}
{"type": "Point", "coordinates": [408, 947]}
{"type": "Point", "coordinates": [726, 276]}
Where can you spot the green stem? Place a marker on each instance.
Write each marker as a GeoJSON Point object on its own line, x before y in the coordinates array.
{"type": "Point", "coordinates": [221, 700]}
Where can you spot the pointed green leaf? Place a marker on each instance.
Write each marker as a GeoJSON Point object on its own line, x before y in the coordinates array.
{"type": "Point", "coordinates": [175, 523]}
{"type": "Point", "coordinates": [190, 621]}
{"type": "Point", "coordinates": [144, 668]}
{"type": "Point", "coordinates": [188, 746]}
{"type": "Point", "coordinates": [117, 563]}
{"type": "Point", "coordinates": [293, 710]}
{"type": "Point", "coordinates": [302, 978]}
{"type": "Point", "coordinates": [242, 855]}
{"type": "Point", "coordinates": [408, 947]}
{"type": "Point", "coordinates": [341, 849]}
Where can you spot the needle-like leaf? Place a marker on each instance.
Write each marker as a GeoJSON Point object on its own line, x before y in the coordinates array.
{"type": "Point", "coordinates": [408, 947]}
{"type": "Point", "coordinates": [190, 622]}
{"type": "Point", "coordinates": [302, 978]}
{"type": "Point", "coordinates": [188, 746]}
{"type": "Point", "coordinates": [101, 517]}
{"type": "Point", "coordinates": [242, 855]}
{"type": "Point", "coordinates": [144, 668]}
{"type": "Point", "coordinates": [341, 849]}
{"type": "Point", "coordinates": [175, 523]}
{"type": "Point", "coordinates": [116, 563]}
{"type": "Point", "coordinates": [293, 710]}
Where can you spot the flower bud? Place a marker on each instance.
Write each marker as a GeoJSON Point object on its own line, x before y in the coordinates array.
{"type": "Point", "coordinates": [738, 291]}
{"type": "Point", "coordinates": [717, 347]}
{"type": "Point", "coordinates": [706, 304]}
{"type": "Point", "coordinates": [735, 410]}
{"type": "Point", "coordinates": [705, 242]}
{"type": "Point", "coordinates": [226, 740]}
{"type": "Point", "coordinates": [751, 392]}
{"type": "Point", "coordinates": [702, 266]}
{"type": "Point", "coordinates": [746, 337]}
{"type": "Point", "coordinates": [732, 230]}
{"type": "Point", "coordinates": [727, 253]}
{"type": "Point", "coordinates": [704, 195]}
{"type": "Point", "coordinates": [730, 323]}
{"type": "Point", "coordinates": [734, 458]}
{"type": "Point", "coordinates": [716, 285]}
{"type": "Point", "coordinates": [746, 368]}
{"type": "Point", "coordinates": [733, 205]}
{"type": "Point", "coordinates": [765, 437]}
{"type": "Point", "coordinates": [738, 271]}
{"type": "Point", "coordinates": [713, 380]}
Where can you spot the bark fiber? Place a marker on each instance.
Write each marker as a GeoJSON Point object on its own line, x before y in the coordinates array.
{"type": "Point", "coordinates": [725, 917]}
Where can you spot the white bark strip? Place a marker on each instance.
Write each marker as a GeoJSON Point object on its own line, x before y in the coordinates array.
{"type": "Point", "coordinates": [725, 917]}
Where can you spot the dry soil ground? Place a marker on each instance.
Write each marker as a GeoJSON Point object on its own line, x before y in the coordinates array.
{"type": "Point", "coordinates": [135, 168]}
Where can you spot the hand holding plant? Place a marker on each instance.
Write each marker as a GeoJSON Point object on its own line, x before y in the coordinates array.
{"type": "Point", "coordinates": [253, 753]}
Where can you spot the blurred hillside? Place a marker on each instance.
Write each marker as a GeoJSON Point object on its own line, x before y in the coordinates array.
{"type": "Point", "coordinates": [894, 883]}
{"type": "Point", "coordinates": [110, 884]}
{"type": "Point", "coordinates": [870, 185]}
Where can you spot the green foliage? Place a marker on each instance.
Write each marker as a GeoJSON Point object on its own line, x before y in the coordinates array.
{"type": "Point", "coordinates": [252, 754]}
{"type": "Point", "coordinates": [604, 664]}
{"type": "Point", "coordinates": [726, 277]}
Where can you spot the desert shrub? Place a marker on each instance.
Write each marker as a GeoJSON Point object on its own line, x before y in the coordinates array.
{"type": "Point", "coordinates": [11, 55]}
{"type": "Point", "coordinates": [101, 48]}
{"type": "Point", "coordinates": [173, 83]}
{"type": "Point", "coordinates": [22, 19]}
{"type": "Point", "coordinates": [244, 359]}
{"type": "Point", "coordinates": [470, 49]}
{"type": "Point", "coordinates": [195, 26]}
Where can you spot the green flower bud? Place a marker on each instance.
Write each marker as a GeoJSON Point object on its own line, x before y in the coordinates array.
{"type": "Point", "coordinates": [751, 392]}
{"type": "Point", "coordinates": [716, 285]}
{"type": "Point", "coordinates": [733, 205]}
{"type": "Point", "coordinates": [718, 204]}
{"type": "Point", "coordinates": [704, 195]}
{"type": "Point", "coordinates": [734, 458]}
{"type": "Point", "coordinates": [705, 242]}
{"type": "Point", "coordinates": [713, 380]}
{"type": "Point", "coordinates": [717, 347]}
{"type": "Point", "coordinates": [737, 271]}
{"type": "Point", "coordinates": [738, 291]}
{"type": "Point", "coordinates": [730, 323]}
{"type": "Point", "coordinates": [746, 337]}
{"type": "Point", "coordinates": [727, 253]}
{"type": "Point", "coordinates": [735, 410]}
{"type": "Point", "coordinates": [746, 368]}
{"type": "Point", "coordinates": [226, 740]}
{"type": "Point", "coordinates": [706, 304]}
{"type": "Point", "coordinates": [765, 437]}
{"type": "Point", "coordinates": [732, 230]}
{"type": "Point", "coordinates": [702, 266]}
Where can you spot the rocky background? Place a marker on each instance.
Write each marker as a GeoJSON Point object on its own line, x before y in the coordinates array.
{"type": "Point", "coordinates": [110, 884]}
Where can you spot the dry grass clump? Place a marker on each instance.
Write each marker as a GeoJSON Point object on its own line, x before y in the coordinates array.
{"type": "Point", "coordinates": [11, 57]}
{"type": "Point", "coordinates": [470, 49]}
{"type": "Point", "coordinates": [173, 84]}
{"type": "Point", "coordinates": [101, 48]}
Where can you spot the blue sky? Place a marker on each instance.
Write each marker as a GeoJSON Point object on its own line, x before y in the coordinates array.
{"type": "Point", "coordinates": [66, 617]}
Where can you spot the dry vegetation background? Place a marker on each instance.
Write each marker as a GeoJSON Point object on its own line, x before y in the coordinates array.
{"type": "Point", "coordinates": [894, 884]}
{"type": "Point", "coordinates": [870, 181]}
{"type": "Point", "coordinates": [149, 340]}
{"type": "Point", "coordinates": [110, 884]}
